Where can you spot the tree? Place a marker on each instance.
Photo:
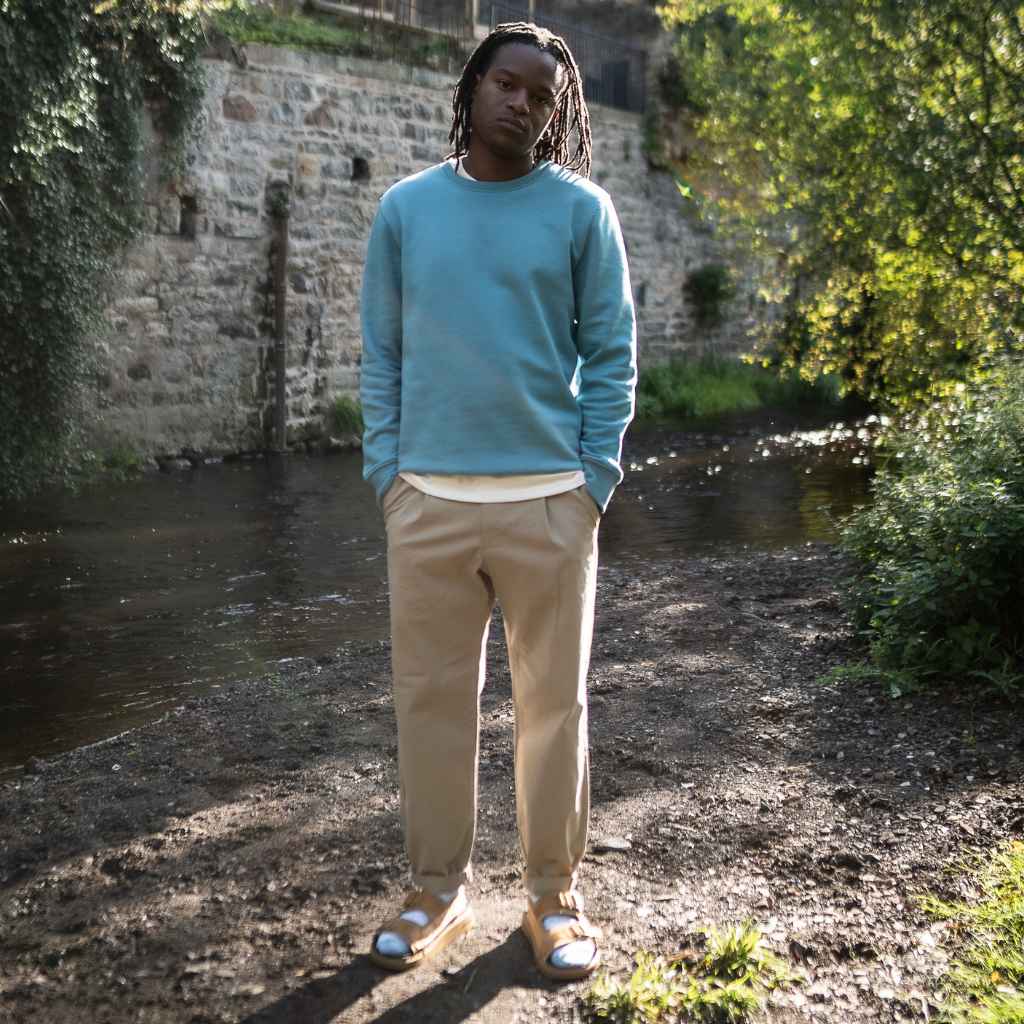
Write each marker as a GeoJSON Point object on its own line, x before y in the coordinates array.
{"type": "Point", "coordinates": [879, 144]}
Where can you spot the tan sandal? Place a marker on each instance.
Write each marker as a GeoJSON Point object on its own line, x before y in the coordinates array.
{"type": "Point", "coordinates": [544, 941]}
{"type": "Point", "coordinates": [446, 922]}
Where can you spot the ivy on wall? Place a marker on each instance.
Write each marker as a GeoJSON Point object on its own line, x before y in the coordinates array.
{"type": "Point", "coordinates": [74, 79]}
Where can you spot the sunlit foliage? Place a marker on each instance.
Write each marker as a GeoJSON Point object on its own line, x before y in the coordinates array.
{"type": "Point", "coordinates": [724, 983]}
{"type": "Point", "coordinates": [878, 146]}
{"type": "Point", "coordinates": [986, 979]}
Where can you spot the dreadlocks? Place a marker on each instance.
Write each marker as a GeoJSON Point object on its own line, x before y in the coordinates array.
{"type": "Point", "coordinates": [570, 114]}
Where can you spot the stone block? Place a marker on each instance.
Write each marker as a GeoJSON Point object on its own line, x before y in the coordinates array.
{"type": "Point", "coordinates": [320, 117]}
{"type": "Point", "coordinates": [307, 168]}
{"type": "Point", "coordinates": [238, 108]}
{"type": "Point", "coordinates": [138, 306]}
{"type": "Point", "coordinates": [297, 90]}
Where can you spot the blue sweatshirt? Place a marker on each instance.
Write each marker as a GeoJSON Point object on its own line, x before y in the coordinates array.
{"type": "Point", "coordinates": [480, 301]}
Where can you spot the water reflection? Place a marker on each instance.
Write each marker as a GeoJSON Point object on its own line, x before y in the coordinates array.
{"type": "Point", "coordinates": [116, 604]}
{"type": "Point", "coordinates": [763, 485]}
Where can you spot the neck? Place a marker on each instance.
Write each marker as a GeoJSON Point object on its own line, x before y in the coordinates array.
{"type": "Point", "coordinates": [487, 166]}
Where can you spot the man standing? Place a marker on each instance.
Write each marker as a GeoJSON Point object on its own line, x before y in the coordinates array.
{"type": "Point", "coordinates": [498, 373]}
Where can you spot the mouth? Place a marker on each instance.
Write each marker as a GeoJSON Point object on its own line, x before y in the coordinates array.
{"type": "Point", "coordinates": [512, 125]}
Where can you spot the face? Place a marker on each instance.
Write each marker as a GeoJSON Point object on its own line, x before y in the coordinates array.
{"type": "Point", "coordinates": [514, 100]}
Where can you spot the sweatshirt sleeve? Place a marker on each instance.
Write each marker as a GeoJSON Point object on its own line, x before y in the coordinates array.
{"type": "Point", "coordinates": [381, 377]}
{"type": "Point", "coordinates": [606, 340]}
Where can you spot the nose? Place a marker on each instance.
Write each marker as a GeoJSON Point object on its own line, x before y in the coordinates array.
{"type": "Point", "coordinates": [518, 102]}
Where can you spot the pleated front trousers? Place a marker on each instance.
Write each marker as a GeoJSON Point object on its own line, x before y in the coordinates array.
{"type": "Point", "coordinates": [448, 562]}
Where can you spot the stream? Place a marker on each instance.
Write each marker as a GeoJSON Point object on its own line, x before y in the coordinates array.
{"type": "Point", "coordinates": [122, 601]}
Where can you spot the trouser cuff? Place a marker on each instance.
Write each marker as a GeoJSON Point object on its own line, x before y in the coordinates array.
{"type": "Point", "coordinates": [541, 886]}
{"type": "Point", "coordinates": [436, 884]}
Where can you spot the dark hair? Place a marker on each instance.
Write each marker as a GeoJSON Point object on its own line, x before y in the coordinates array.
{"type": "Point", "coordinates": [570, 111]}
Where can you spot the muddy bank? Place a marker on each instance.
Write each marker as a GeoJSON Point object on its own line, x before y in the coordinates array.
{"type": "Point", "coordinates": [230, 862]}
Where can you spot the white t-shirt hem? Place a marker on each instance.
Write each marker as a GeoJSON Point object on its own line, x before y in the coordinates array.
{"type": "Point", "coordinates": [489, 489]}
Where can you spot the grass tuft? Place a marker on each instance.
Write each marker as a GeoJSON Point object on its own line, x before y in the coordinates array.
{"type": "Point", "coordinates": [986, 981]}
{"type": "Point", "coordinates": [896, 683]}
{"type": "Point", "coordinates": [723, 983]}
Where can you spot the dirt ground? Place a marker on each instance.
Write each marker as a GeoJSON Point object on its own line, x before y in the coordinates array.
{"type": "Point", "coordinates": [230, 862]}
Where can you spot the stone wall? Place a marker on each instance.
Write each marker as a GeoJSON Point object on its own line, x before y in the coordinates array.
{"type": "Point", "coordinates": [187, 366]}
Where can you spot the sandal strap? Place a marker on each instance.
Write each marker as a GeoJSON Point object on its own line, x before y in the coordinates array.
{"type": "Point", "coordinates": [566, 933]}
{"type": "Point", "coordinates": [431, 905]}
{"type": "Point", "coordinates": [439, 916]}
{"type": "Point", "coordinates": [564, 904]}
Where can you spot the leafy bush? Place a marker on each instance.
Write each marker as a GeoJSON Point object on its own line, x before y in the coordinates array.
{"type": "Point", "coordinates": [940, 589]}
{"type": "Point", "coordinates": [347, 416]}
{"type": "Point", "coordinates": [712, 386]}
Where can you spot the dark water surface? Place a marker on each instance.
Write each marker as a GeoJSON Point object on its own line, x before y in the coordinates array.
{"type": "Point", "coordinates": [120, 602]}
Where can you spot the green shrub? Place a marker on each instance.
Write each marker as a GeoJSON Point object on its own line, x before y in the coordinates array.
{"type": "Point", "coordinates": [941, 550]}
{"type": "Point", "coordinates": [347, 416]}
{"type": "Point", "coordinates": [122, 462]}
{"type": "Point", "coordinates": [708, 289]}
{"type": "Point", "coordinates": [712, 386]}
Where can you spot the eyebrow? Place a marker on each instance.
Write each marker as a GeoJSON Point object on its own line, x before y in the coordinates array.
{"type": "Point", "coordinates": [544, 89]}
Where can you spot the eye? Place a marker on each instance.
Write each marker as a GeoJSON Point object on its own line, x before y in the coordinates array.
{"type": "Point", "coordinates": [543, 101]}
{"type": "Point", "coordinates": [504, 84]}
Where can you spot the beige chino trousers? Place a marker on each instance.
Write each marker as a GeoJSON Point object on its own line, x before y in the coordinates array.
{"type": "Point", "coordinates": [448, 561]}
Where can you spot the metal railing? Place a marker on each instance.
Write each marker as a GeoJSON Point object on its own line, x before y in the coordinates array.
{"type": "Point", "coordinates": [440, 33]}
{"type": "Point", "coordinates": [614, 74]}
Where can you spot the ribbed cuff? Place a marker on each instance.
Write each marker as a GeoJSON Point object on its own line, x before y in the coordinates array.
{"type": "Point", "coordinates": [382, 478]}
{"type": "Point", "coordinates": [601, 482]}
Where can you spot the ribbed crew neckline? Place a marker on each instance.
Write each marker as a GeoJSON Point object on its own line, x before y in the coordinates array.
{"type": "Point", "coordinates": [535, 174]}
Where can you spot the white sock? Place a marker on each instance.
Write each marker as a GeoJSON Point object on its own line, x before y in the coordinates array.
{"type": "Point", "coordinates": [392, 944]}
{"type": "Point", "coordinates": [578, 953]}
